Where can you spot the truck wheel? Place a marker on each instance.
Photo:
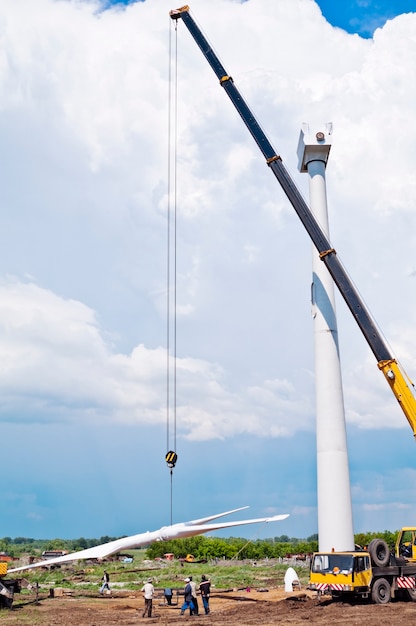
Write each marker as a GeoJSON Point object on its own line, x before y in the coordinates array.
{"type": "Point", "coordinates": [381, 591]}
{"type": "Point", "coordinates": [412, 594]}
{"type": "Point", "coordinates": [379, 552]}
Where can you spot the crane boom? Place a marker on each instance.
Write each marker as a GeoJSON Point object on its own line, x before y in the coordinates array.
{"type": "Point", "coordinates": [395, 376]}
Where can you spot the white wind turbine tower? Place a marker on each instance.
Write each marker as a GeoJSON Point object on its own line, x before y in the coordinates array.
{"type": "Point", "coordinates": [335, 524]}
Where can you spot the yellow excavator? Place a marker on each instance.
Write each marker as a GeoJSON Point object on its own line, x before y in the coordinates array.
{"type": "Point", "coordinates": [8, 587]}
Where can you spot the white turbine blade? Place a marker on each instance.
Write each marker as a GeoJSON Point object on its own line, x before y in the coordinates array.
{"type": "Point", "coordinates": [97, 552]}
{"type": "Point", "coordinates": [166, 533]}
{"type": "Point", "coordinates": [187, 531]}
{"type": "Point", "coordinates": [204, 520]}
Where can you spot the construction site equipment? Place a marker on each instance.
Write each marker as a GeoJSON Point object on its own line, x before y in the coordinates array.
{"type": "Point", "coordinates": [8, 587]}
{"type": "Point", "coordinates": [372, 573]}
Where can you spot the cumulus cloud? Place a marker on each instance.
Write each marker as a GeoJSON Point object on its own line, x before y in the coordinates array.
{"type": "Point", "coordinates": [83, 119]}
{"type": "Point", "coordinates": [56, 365]}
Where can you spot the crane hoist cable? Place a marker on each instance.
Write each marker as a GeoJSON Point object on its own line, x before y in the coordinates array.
{"type": "Point", "coordinates": [171, 256]}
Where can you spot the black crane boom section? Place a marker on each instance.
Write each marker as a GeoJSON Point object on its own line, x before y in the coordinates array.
{"type": "Point", "coordinates": [321, 242]}
{"type": "Point", "coordinates": [386, 362]}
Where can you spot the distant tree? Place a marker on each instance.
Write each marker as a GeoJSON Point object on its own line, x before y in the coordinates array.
{"type": "Point", "coordinates": [390, 538]}
{"type": "Point", "coordinates": [104, 539]}
{"type": "Point", "coordinates": [282, 539]}
{"type": "Point", "coordinates": [306, 547]}
{"type": "Point", "coordinates": [281, 549]}
{"type": "Point", "coordinates": [363, 539]}
{"type": "Point", "coordinates": [55, 544]}
{"type": "Point", "coordinates": [79, 544]}
{"type": "Point", "coordinates": [237, 548]}
{"type": "Point", "coordinates": [6, 546]}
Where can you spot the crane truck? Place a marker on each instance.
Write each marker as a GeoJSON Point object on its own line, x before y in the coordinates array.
{"type": "Point", "coordinates": [374, 573]}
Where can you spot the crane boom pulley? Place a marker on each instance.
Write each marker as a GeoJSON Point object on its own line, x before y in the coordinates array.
{"type": "Point", "coordinates": [393, 373]}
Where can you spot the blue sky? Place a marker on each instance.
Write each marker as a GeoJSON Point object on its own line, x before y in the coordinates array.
{"type": "Point", "coordinates": [83, 230]}
{"type": "Point", "coordinates": [363, 16]}
{"type": "Point", "coordinates": [354, 16]}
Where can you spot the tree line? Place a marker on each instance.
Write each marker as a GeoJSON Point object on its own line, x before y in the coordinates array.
{"type": "Point", "coordinates": [201, 547]}
{"type": "Point", "coordinates": [26, 545]}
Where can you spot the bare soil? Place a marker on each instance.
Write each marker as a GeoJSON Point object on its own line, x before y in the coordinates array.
{"type": "Point", "coordinates": [257, 607]}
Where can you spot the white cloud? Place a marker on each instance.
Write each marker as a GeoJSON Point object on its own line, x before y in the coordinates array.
{"type": "Point", "coordinates": [83, 119]}
{"type": "Point", "coordinates": [57, 366]}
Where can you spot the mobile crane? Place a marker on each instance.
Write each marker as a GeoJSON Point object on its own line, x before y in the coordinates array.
{"type": "Point", "coordinates": [373, 573]}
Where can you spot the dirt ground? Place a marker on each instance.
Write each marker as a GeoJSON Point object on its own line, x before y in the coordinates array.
{"type": "Point", "coordinates": [257, 607]}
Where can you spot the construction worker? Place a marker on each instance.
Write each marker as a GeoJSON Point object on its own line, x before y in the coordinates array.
{"type": "Point", "coordinates": [205, 589]}
{"type": "Point", "coordinates": [148, 591]}
{"type": "Point", "coordinates": [188, 604]}
{"type": "Point", "coordinates": [195, 610]}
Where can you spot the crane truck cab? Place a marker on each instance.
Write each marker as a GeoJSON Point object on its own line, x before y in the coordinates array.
{"type": "Point", "coordinates": [374, 573]}
{"type": "Point", "coordinates": [406, 543]}
{"type": "Point", "coordinates": [347, 572]}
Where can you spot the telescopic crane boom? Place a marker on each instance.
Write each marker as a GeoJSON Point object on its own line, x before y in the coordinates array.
{"type": "Point", "coordinates": [393, 373]}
